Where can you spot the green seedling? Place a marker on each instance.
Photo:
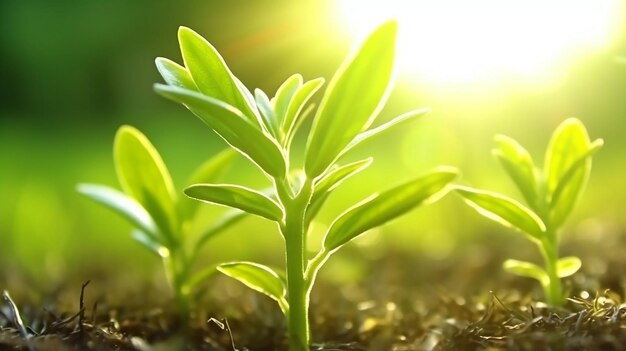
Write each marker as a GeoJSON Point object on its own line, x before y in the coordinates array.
{"type": "Point", "coordinates": [550, 195]}
{"type": "Point", "coordinates": [263, 129]}
{"type": "Point", "coordinates": [162, 221]}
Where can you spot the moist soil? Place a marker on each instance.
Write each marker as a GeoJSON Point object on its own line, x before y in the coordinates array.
{"type": "Point", "coordinates": [462, 302]}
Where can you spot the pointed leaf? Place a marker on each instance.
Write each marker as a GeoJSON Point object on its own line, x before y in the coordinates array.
{"type": "Point", "coordinates": [149, 242]}
{"type": "Point", "coordinates": [294, 113]}
{"type": "Point", "coordinates": [228, 122]}
{"type": "Point", "coordinates": [267, 112]}
{"type": "Point", "coordinates": [327, 183]}
{"type": "Point", "coordinates": [518, 163]}
{"type": "Point", "coordinates": [143, 175]}
{"type": "Point", "coordinates": [175, 74]}
{"type": "Point", "coordinates": [284, 95]}
{"type": "Point", "coordinates": [336, 176]}
{"type": "Point", "coordinates": [569, 141]}
{"type": "Point", "coordinates": [258, 277]}
{"type": "Point", "coordinates": [237, 197]}
{"type": "Point", "coordinates": [210, 73]}
{"type": "Point", "coordinates": [354, 97]}
{"type": "Point", "coordinates": [366, 135]}
{"type": "Point", "coordinates": [389, 205]}
{"type": "Point", "coordinates": [526, 269]}
{"type": "Point", "coordinates": [211, 171]}
{"type": "Point", "coordinates": [503, 210]}
{"type": "Point", "coordinates": [571, 185]}
{"type": "Point", "coordinates": [121, 203]}
{"type": "Point", "coordinates": [567, 266]}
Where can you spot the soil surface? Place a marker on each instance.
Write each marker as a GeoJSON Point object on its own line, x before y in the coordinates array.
{"type": "Point", "coordinates": [462, 302]}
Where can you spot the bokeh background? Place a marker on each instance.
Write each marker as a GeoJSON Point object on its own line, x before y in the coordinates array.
{"type": "Point", "coordinates": [72, 72]}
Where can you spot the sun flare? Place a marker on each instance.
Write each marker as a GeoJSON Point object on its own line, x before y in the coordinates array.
{"type": "Point", "coordinates": [455, 41]}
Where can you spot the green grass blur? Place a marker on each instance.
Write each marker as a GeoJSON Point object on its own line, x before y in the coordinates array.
{"type": "Point", "coordinates": [74, 72]}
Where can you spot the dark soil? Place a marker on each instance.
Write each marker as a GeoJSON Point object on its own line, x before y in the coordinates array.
{"type": "Point", "coordinates": [475, 307]}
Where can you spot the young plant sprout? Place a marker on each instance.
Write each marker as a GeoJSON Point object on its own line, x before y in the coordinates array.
{"type": "Point", "coordinates": [162, 222]}
{"type": "Point", "coordinates": [262, 129]}
{"type": "Point", "coordinates": [550, 195]}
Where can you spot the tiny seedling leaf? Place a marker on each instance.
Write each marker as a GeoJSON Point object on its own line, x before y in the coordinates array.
{"type": "Point", "coordinates": [567, 266]}
{"type": "Point", "coordinates": [294, 113]}
{"type": "Point", "coordinates": [175, 74]}
{"type": "Point", "coordinates": [149, 242]}
{"type": "Point", "coordinates": [518, 163]}
{"type": "Point", "coordinates": [238, 197]}
{"type": "Point", "coordinates": [284, 95]}
{"type": "Point", "coordinates": [354, 97]}
{"type": "Point", "coordinates": [121, 203]}
{"type": "Point", "coordinates": [331, 180]}
{"type": "Point", "coordinates": [229, 123]}
{"type": "Point", "coordinates": [368, 134]}
{"type": "Point", "coordinates": [526, 269]}
{"type": "Point", "coordinates": [211, 74]}
{"type": "Point", "coordinates": [258, 277]}
{"type": "Point", "coordinates": [569, 141]}
{"type": "Point", "coordinates": [571, 185]}
{"type": "Point", "coordinates": [267, 111]}
{"type": "Point", "coordinates": [143, 175]}
{"type": "Point", "coordinates": [503, 210]}
{"type": "Point", "coordinates": [389, 205]}
{"type": "Point", "coordinates": [211, 171]}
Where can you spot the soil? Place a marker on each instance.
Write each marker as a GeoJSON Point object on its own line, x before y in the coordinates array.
{"type": "Point", "coordinates": [473, 306]}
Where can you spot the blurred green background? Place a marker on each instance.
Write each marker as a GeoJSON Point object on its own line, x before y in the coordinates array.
{"type": "Point", "coordinates": [73, 71]}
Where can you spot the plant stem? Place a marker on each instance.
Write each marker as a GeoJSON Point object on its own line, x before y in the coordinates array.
{"type": "Point", "coordinates": [550, 252]}
{"type": "Point", "coordinates": [294, 232]}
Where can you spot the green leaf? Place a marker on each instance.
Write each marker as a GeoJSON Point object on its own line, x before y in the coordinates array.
{"type": "Point", "coordinates": [354, 97]}
{"type": "Point", "coordinates": [518, 163]}
{"type": "Point", "coordinates": [123, 204]}
{"type": "Point", "coordinates": [211, 74]}
{"type": "Point", "coordinates": [567, 266]}
{"type": "Point", "coordinates": [211, 171]}
{"type": "Point", "coordinates": [331, 180]}
{"type": "Point", "coordinates": [389, 205]}
{"type": "Point", "coordinates": [571, 185]}
{"type": "Point", "coordinates": [267, 111]}
{"type": "Point", "coordinates": [175, 74]}
{"type": "Point", "coordinates": [338, 175]}
{"type": "Point", "coordinates": [149, 242]}
{"type": "Point", "coordinates": [237, 197]}
{"type": "Point", "coordinates": [143, 175]}
{"type": "Point", "coordinates": [284, 95]}
{"type": "Point", "coordinates": [569, 142]}
{"type": "Point", "coordinates": [366, 135]}
{"type": "Point", "coordinates": [260, 278]}
{"type": "Point", "coordinates": [528, 270]}
{"type": "Point", "coordinates": [503, 210]}
{"type": "Point", "coordinates": [229, 123]}
{"type": "Point", "coordinates": [295, 115]}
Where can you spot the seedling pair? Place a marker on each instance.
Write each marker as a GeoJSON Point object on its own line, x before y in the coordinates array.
{"type": "Point", "coordinates": [262, 129]}
{"type": "Point", "coordinates": [550, 194]}
{"type": "Point", "coordinates": [161, 219]}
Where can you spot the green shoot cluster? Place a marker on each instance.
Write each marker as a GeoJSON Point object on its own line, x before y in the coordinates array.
{"type": "Point", "coordinates": [262, 129]}
{"type": "Point", "coordinates": [161, 219]}
{"type": "Point", "coordinates": [550, 194]}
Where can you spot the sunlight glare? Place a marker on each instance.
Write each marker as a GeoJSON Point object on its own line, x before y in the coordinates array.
{"type": "Point", "coordinates": [459, 41]}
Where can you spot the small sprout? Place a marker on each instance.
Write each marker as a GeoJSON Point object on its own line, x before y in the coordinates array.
{"type": "Point", "coordinates": [550, 195]}
{"type": "Point", "coordinates": [159, 218]}
{"type": "Point", "coordinates": [262, 129]}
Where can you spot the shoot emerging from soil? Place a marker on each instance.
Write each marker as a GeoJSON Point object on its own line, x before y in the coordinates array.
{"type": "Point", "coordinates": [550, 195]}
